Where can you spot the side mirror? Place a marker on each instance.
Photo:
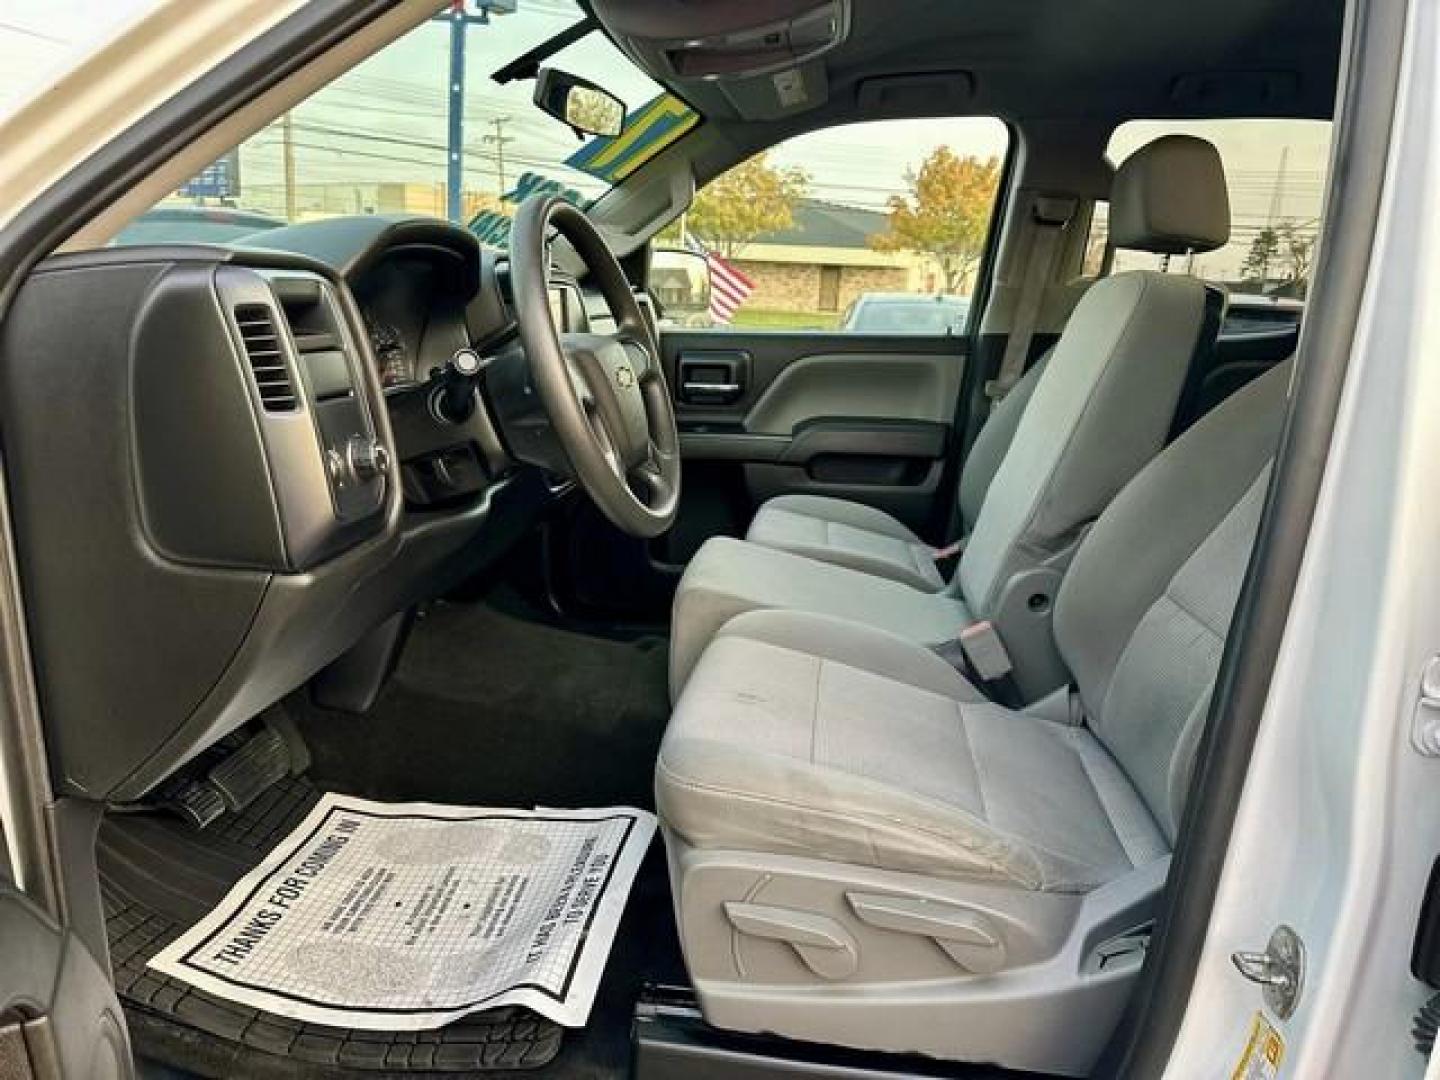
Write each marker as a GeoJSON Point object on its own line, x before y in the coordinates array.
{"type": "Point", "coordinates": [587, 108]}
{"type": "Point", "coordinates": [680, 284]}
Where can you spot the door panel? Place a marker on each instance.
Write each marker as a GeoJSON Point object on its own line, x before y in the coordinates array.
{"type": "Point", "coordinates": [854, 416]}
{"type": "Point", "coordinates": [882, 385]}
{"type": "Point", "coordinates": [59, 1016]}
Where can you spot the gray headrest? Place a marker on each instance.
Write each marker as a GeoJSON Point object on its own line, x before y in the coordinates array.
{"type": "Point", "coordinates": [1169, 197]}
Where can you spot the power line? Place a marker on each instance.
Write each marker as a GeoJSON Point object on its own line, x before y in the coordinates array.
{"type": "Point", "coordinates": [39, 35]}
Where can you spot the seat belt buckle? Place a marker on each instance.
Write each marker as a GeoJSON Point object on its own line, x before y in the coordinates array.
{"type": "Point", "coordinates": [995, 389]}
{"type": "Point", "coordinates": [949, 551]}
{"type": "Point", "coordinates": [985, 651]}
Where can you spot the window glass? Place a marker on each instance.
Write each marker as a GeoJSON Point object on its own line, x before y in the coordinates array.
{"type": "Point", "coordinates": [379, 139]}
{"type": "Point", "coordinates": [1276, 171]}
{"type": "Point", "coordinates": [874, 228]}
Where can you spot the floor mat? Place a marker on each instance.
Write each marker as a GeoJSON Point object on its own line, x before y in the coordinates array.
{"type": "Point", "coordinates": [487, 708]}
{"type": "Point", "coordinates": [159, 876]}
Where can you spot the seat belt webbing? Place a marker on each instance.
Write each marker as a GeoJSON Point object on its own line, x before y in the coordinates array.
{"type": "Point", "coordinates": [1050, 215]}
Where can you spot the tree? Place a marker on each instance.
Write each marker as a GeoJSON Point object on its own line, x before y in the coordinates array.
{"type": "Point", "coordinates": [1298, 249]}
{"type": "Point", "coordinates": [946, 214]}
{"type": "Point", "coordinates": [751, 199]}
{"type": "Point", "coordinates": [594, 113]}
{"type": "Point", "coordinates": [1264, 250]}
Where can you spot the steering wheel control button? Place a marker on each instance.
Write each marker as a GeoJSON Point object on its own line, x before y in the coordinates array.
{"type": "Point", "coordinates": [368, 458]}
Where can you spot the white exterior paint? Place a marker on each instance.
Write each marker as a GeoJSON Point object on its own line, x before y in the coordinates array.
{"type": "Point", "coordinates": [1339, 821]}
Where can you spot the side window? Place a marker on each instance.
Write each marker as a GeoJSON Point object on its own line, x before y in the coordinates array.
{"type": "Point", "coordinates": [875, 227]}
{"type": "Point", "coordinates": [1276, 172]}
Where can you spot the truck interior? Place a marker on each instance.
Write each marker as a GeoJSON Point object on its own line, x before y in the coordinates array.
{"type": "Point", "coordinates": [909, 640]}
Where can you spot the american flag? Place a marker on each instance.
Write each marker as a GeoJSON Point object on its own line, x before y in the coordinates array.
{"type": "Point", "coordinates": [728, 286]}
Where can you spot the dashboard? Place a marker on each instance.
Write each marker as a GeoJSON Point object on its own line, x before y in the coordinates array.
{"type": "Point", "coordinates": [251, 452]}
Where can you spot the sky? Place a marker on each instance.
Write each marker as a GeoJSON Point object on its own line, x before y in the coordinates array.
{"type": "Point", "coordinates": [386, 120]}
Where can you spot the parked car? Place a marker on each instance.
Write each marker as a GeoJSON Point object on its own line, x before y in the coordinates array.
{"type": "Point", "coordinates": [1253, 313]}
{"type": "Point", "coordinates": [194, 225]}
{"type": "Point", "coordinates": [906, 313]}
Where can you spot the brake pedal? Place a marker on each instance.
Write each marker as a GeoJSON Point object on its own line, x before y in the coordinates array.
{"type": "Point", "coordinates": [236, 781]}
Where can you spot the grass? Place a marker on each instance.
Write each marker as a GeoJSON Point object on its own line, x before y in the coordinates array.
{"type": "Point", "coordinates": [766, 319]}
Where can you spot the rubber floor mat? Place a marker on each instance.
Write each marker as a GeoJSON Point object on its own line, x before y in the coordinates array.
{"type": "Point", "coordinates": [159, 875]}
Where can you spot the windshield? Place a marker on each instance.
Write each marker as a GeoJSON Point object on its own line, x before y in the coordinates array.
{"type": "Point", "coordinates": [389, 136]}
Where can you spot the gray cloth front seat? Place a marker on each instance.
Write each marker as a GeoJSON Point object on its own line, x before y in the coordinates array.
{"type": "Point", "coordinates": [1082, 427]}
{"type": "Point", "coordinates": [861, 537]}
{"type": "Point", "coordinates": [865, 851]}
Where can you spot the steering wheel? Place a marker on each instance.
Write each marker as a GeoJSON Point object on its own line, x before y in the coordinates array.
{"type": "Point", "coordinates": [605, 393]}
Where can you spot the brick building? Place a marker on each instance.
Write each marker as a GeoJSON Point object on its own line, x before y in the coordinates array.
{"type": "Point", "coordinates": [825, 259]}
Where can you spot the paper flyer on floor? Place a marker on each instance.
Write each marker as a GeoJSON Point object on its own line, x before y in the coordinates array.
{"type": "Point", "coordinates": [403, 917]}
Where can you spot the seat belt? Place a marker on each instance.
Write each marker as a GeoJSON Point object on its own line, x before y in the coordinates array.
{"type": "Point", "coordinates": [1050, 214]}
{"type": "Point", "coordinates": [980, 655]}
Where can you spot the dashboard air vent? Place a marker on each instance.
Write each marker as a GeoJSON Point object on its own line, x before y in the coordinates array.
{"type": "Point", "coordinates": [267, 361]}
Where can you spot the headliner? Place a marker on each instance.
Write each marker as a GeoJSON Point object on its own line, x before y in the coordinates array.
{"type": "Point", "coordinates": [1102, 60]}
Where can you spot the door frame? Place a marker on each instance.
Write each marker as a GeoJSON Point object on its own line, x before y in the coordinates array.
{"type": "Point", "coordinates": [1259, 649]}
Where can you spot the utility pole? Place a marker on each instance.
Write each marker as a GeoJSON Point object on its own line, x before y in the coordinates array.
{"type": "Point", "coordinates": [287, 147]}
{"type": "Point", "coordinates": [499, 139]}
{"type": "Point", "coordinates": [458, 19]}
{"type": "Point", "coordinates": [1278, 195]}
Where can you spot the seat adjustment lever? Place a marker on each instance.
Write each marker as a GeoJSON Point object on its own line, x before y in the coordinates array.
{"type": "Point", "coordinates": [966, 936]}
{"type": "Point", "coordinates": [825, 947]}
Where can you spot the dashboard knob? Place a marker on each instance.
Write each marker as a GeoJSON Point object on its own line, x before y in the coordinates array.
{"type": "Point", "coordinates": [368, 458]}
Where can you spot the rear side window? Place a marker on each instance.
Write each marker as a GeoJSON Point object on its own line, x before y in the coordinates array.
{"type": "Point", "coordinates": [1276, 171]}
{"type": "Point", "coordinates": [869, 228]}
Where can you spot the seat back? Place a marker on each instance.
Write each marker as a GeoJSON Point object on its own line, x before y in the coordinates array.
{"type": "Point", "coordinates": [1142, 616]}
{"type": "Point", "coordinates": [1106, 399]}
{"type": "Point", "coordinates": [993, 443]}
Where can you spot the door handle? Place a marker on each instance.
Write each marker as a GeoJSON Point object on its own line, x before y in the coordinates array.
{"type": "Point", "coordinates": [713, 376]}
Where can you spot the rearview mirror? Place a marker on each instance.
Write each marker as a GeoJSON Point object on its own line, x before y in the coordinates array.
{"type": "Point", "coordinates": [587, 108]}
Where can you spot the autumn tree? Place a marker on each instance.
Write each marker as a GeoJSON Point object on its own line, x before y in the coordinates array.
{"type": "Point", "coordinates": [945, 214]}
{"type": "Point", "coordinates": [594, 112]}
{"type": "Point", "coordinates": [747, 201]}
